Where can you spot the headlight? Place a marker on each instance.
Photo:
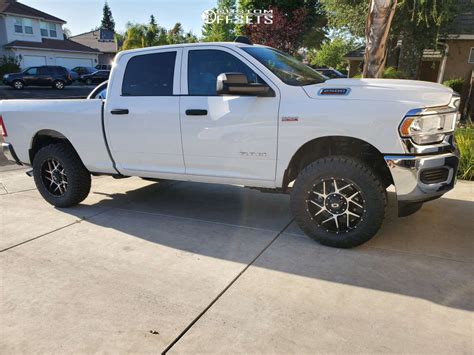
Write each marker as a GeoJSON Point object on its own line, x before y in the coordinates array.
{"type": "Point", "coordinates": [429, 126]}
{"type": "Point", "coordinates": [5, 76]}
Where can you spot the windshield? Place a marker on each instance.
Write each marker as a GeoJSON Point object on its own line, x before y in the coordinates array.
{"type": "Point", "coordinates": [289, 69]}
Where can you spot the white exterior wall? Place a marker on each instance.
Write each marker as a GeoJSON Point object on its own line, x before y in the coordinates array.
{"type": "Point", "coordinates": [52, 55]}
{"type": "Point", "coordinates": [35, 37]}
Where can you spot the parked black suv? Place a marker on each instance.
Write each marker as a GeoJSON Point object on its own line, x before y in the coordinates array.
{"type": "Point", "coordinates": [48, 75]}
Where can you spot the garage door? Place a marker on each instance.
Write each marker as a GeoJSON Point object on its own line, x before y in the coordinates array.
{"type": "Point", "coordinates": [32, 61]}
{"type": "Point", "coordinates": [73, 62]}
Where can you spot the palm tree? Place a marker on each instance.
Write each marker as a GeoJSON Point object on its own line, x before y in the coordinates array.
{"type": "Point", "coordinates": [135, 36]}
{"type": "Point", "coordinates": [377, 28]}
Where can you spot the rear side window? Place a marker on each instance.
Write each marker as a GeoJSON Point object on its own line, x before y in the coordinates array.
{"type": "Point", "coordinates": [204, 66]}
{"type": "Point", "coordinates": [43, 71]}
{"type": "Point", "coordinates": [149, 75]}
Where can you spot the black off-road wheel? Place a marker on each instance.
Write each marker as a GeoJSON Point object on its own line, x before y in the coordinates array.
{"type": "Point", "coordinates": [339, 201]}
{"type": "Point", "coordinates": [60, 176]}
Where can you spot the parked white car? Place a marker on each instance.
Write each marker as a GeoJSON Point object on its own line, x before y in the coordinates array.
{"type": "Point", "coordinates": [237, 113]}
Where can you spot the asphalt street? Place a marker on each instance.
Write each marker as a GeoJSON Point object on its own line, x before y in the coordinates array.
{"type": "Point", "coordinates": [37, 92]}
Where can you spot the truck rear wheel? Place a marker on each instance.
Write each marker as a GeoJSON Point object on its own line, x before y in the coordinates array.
{"type": "Point", "coordinates": [60, 176]}
{"type": "Point", "coordinates": [338, 201]}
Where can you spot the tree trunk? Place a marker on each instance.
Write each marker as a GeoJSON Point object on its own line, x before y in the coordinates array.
{"type": "Point", "coordinates": [377, 28]}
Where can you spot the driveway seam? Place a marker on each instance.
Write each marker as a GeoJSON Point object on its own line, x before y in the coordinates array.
{"type": "Point", "coordinates": [55, 230]}
{"type": "Point", "coordinates": [399, 251]}
{"type": "Point", "coordinates": [198, 220]}
{"type": "Point", "coordinates": [17, 192]}
{"type": "Point", "coordinates": [204, 311]}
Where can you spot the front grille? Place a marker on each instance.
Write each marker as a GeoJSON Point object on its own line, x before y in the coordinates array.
{"type": "Point", "coordinates": [433, 176]}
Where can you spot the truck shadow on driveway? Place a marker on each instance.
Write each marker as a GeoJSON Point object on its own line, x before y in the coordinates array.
{"type": "Point", "coordinates": [428, 255]}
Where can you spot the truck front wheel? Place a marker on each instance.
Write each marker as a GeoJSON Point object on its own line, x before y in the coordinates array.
{"type": "Point", "coordinates": [60, 176]}
{"type": "Point", "coordinates": [338, 201]}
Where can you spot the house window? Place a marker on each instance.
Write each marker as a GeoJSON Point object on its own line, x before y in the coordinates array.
{"type": "Point", "coordinates": [44, 29]}
{"type": "Point", "coordinates": [18, 25]}
{"type": "Point", "coordinates": [52, 30]}
{"type": "Point", "coordinates": [23, 25]}
{"type": "Point", "coordinates": [28, 26]}
{"type": "Point", "coordinates": [470, 60]}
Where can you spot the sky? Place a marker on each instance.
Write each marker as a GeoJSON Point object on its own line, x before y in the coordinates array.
{"type": "Point", "coordinates": [84, 15]}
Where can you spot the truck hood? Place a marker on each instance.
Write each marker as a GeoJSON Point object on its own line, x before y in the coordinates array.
{"type": "Point", "coordinates": [419, 93]}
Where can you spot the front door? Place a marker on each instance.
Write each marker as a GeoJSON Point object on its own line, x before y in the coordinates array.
{"type": "Point", "coordinates": [142, 114]}
{"type": "Point", "coordinates": [228, 136]}
{"type": "Point", "coordinates": [30, 76]}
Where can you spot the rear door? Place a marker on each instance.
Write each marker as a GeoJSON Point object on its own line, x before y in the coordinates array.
{"type": "Point", "coordinates": [45, 76]}
{"type": "Point", "coordinates": [142, 114]}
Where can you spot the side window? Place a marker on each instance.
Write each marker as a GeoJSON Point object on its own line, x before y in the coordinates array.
{"type": "Point", "coordinates": [43, 71]}
{"type": "Point", "coordinates": [149, 75]}
{"type": "Point", "coordinates": [204, 66]}
{"type": "Point", "coordinates": [32, 71]}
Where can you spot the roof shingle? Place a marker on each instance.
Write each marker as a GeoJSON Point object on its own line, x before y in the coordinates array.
{"type": "Point", "coordinates": [16, 8]}
{"type": "Point", "coordinates": [64, 45]}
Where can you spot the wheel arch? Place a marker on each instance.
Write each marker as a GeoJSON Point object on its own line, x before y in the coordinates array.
{"type": "Point", "coordinates": [46, 137]}
{"type": "Point", "coordinates": [337, 145]}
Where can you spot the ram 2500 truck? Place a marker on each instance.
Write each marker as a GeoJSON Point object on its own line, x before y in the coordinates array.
{"type": "Point", "coordinates": [237, 113]}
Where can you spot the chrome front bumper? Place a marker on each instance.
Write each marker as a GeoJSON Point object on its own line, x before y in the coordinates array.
{"type": "Point", "coordinates": [419, 179]}
{"type": "Point", "coordinates": [9, 153]}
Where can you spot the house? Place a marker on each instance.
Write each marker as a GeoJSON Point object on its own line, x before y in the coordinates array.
{"type": "Point", "coordinates": [37, 38]}
{"type": "Point", "coordinates": [454, 60]}
{"type": "Point", "coordinates": [102, 40]}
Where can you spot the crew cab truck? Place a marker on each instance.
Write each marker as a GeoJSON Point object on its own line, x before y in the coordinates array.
{"type": "Point", "coordinates": [238, 113]}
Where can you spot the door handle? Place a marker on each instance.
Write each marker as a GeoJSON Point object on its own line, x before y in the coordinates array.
{"type": "Point", "coordinates": [195, 112]}
{"type": "Point", "coordinates": [119, 111]}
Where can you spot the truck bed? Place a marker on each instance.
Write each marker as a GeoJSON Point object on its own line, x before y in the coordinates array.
{"type": "Point", "coordinates": [80, 121]}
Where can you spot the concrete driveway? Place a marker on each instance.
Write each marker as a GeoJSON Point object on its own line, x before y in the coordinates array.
{"type": "Point", "coordinates": [183, 267]}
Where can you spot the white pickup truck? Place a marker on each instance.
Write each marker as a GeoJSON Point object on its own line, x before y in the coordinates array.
{"type": "Point", "coordinates": [237, 113]}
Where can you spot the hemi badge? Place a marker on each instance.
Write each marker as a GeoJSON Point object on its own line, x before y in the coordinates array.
{"type": "Point", "coordinates": [334, 91]}
{"type": "Point", "coordinates": [289, 119]}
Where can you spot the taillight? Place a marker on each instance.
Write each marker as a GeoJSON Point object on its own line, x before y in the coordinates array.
{"type": "Point", "coordinates": [2, 127]}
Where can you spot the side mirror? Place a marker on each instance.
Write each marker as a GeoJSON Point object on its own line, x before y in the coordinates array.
{"type": "Point", "coordinates": [237, 84]}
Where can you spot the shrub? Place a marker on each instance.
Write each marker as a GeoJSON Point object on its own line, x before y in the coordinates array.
{"type": "Point", "coordinates": [455, 84]}
{"type": "Point", "coordinates": [393, 73]}
{"type": "Point", "coordinates": [465, 144]}
{"type": "Point", "coordinates": [9, 65]}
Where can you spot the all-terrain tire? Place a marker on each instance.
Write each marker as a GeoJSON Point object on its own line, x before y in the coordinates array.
{"type": "Point", "coordinates": [77, 176]}
{"type": "Point", "coordinates": [359, 177]}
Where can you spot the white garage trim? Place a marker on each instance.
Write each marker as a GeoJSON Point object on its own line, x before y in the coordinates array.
{"type": "Point", "coordinates": [70, 63]}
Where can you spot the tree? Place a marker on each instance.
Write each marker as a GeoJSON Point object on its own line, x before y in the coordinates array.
{"type": "Point", "coordinates": [284, 33]}
{"type": "Point", "coordinates": [108, 22]}
{"type": "Point", "coordinates": [66, 32]}
{"type": "Point", "coordinates": [377, 29]}
{"type": "Point", "coordinates": [308, 16]}
{"type": "Point", "coordinates": [176, 34]}
{"type": "Point", "coordinates": [418, 24]}
{"type": "Point", "coordinates": [221, 29]}
{"type": "Point", "coordinates": [331, 53]}
{"type": "Point", "coordinates": [135, 36]}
